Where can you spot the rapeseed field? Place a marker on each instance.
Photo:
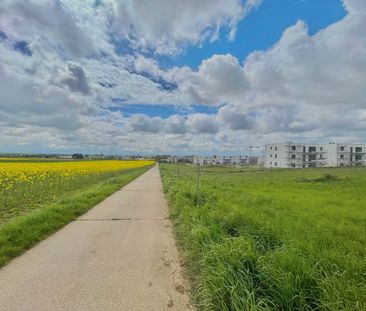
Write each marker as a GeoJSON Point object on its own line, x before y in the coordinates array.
{"type": "Point", "coordinates": [38, 197]}
{"type": "Point", "coordinates": [24, 184]}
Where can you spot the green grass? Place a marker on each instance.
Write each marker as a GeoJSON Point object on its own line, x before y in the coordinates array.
{"type": "Point", "coordinates": [272, 239]}
{"type": "Point", "coordinates": [22, 232]}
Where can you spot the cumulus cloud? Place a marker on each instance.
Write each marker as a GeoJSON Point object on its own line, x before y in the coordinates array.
{"type": "Point", "coordinates": [176, 125]}
{"type": "Point", "coordinates": [203, 123]}
{"type": "Point", "coordinates": [64, 93]}
{"type": "Point", "coordinates": [167, 26]}
{"type": "Point", "coordinates": [25, 19]}
{"type": "Point", "coordinates": [355, 6]}
{"type": "Point", "coordinates": [142, 123]}
{"type": "Point", "coordinates": [75, 79]}
{"type": "Point", "coordinates": [219, 79]}
{"type": "Point", "coordinates": [235, 119]}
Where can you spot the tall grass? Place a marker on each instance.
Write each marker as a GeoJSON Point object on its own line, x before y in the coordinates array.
{"type": "Point", "coordinates": [272, 239]}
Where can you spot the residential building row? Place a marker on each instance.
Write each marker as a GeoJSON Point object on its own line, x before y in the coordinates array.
{"type": "Point", "coordinates": [182, 159]}
{"type": "Point", "coordinates": [227, 160]}
{"type": "Point", "coordinates": [297, 155]}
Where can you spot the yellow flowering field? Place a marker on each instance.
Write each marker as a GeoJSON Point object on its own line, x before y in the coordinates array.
{"type": "Point", "coordinates": [32, 159]}
{"type": "Point", "coordinates": [23, 184]}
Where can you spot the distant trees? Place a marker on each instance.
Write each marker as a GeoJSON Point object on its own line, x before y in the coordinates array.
{"type": "Point", "coordinates": [77, 156]}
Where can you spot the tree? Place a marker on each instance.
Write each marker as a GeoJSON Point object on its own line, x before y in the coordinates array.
{"type": "Point", "coordinates": [77, 156]}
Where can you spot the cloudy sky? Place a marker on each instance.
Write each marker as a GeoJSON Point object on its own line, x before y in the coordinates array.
{"type": "Point", "coordinates": [180, 77]}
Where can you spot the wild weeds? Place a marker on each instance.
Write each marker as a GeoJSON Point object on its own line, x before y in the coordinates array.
{"type": "Point", "coordinates": [272, 240]}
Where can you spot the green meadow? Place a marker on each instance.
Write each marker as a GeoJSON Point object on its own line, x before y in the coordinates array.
{"type": "Point", "coordinates": [256, 239]}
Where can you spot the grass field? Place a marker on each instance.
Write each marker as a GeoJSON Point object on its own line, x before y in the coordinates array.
{"type": "Point", "coordinates": [38, 198]}
{"type": "Point", "coordinates": [272, 239]}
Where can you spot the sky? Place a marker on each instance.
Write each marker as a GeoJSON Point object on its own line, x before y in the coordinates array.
{"type": "Point", "coordinates": [180, 77]}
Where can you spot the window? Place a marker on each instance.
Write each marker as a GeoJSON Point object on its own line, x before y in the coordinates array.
{"type": "Point", "coordinates": [342, 156]}
{"type": "Point", "coordinates": [312, 157]}
{"type": "Point", "coordinates": [270, 163]}
{"type": "Point", "coordinates": [321, 148]}
{"type": "Point", "coordinates": [271, 155]}
{"type": "Point", "coordinates": [342, 148]}
{"type": "Point", "coordinates": [293, 156]}
{"type": "Point", "coordinates": [293, 165]}
{"type": "Point", "coordinates": [304, 149]}
{"type": "Point", "coordinates": [275, 148]}
{"type": "Point", "coordinates": [293, 148]}
{"type": "Point", "coordinates": [312, 149]}
{"type": "Point", "coordinates": [358, 149]}
{"type": "Point", "coordinates": [275, 156]}
{"type": "Point", "coordinates": [271, 148]}
{"type": "Point", "coordinates": [275, 163]}
{"type": "Point", "coordinates": [358, 157]}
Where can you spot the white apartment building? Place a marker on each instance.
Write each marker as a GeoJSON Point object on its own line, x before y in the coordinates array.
{"type": "Point", "coordinates": [296, 155]}
{"type": "Point", "coordinates": [221, 160]}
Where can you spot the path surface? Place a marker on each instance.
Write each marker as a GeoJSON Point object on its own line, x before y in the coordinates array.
{"type": "Point", "coordinates": [119, 256]}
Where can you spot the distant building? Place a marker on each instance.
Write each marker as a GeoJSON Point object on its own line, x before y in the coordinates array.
{"type": "Point", "coordinates": [297, 155]}
{"type": "Point", "coordinates": [226, 160]}
{"type": "Point", "coordinates": [63, 156]}
{"type": "Point", "coordinates": [255, 161]}
{"type": "Point", "coordinates": [184, 159]}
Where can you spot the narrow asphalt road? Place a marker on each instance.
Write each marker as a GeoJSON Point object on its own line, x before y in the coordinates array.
{"type": "Point", "coordinates": [120, 255]}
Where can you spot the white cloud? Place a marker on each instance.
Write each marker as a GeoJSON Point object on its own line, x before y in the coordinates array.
{"type": "Point", "coordinates": [74, 77]}
{"type": "Point", "coordinates": [304, 87]}
{"type": "Point", "coordinates": [355, 6]}
{"type": "Point", "coordinates": [235, 118]}
{"type": "Point", "coordinates": [203, 123]}
{"type": "Point", "coordinates": [168, 26]}
{"type": "Point", "coordinates": [220, 79]}
{"type": "Point", "coordinates": [32, 20]}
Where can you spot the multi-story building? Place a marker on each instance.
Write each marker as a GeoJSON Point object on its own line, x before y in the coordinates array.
{"type": "Point", "coordinates": [295, 155]}
{"type": "Point", "coordinates": [221, 160]}
{"type": "Point", "coordinates": [346, 154]}
{"type": "Point", "coordinates": [183, 159]}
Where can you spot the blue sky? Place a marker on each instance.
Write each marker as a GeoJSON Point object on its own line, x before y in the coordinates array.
{"type": "Point", "coordinates": [263, 28]}
{"type": "Point", "coordinates": [259, 31]}
{"type": "Point", "coordinates": [180, 77]}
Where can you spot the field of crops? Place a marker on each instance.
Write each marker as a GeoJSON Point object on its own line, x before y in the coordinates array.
{"type": "Point", "coordinates": [25, 184]}
{"type": "Point", "coordinates": [272, 239]}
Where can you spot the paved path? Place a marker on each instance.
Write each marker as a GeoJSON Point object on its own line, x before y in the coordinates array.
{"type": "Point", "coordinates": [119, 256]}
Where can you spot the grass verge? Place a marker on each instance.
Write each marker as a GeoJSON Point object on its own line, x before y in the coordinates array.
{"type": "Point", "coordinates": [278, 240]}
{"type": "Point", "coordinates": [24, 231]}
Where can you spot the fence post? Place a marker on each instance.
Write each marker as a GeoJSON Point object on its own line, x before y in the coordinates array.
{"type": "Point", "coordinates": [198, 183]}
